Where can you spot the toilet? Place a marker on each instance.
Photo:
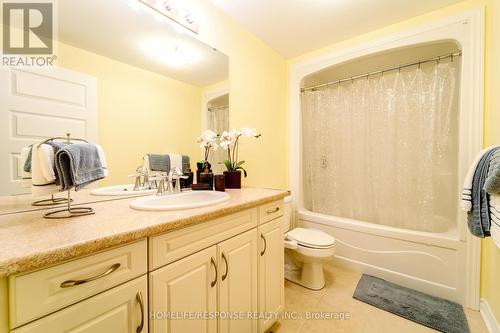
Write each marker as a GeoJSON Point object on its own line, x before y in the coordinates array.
{"type": "Point", "coordinates": [306, 249]}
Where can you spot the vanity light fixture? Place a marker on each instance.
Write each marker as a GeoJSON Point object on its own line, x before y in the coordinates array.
{"type": "Point", "coordinates": [171, 10]}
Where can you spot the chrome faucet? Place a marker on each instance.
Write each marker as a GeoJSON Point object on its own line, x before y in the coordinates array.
{"type": "Point", "coordinates": [166, 186]}
{"type": "Point", "coordinates": [175, 173]}
{"type": "Point", "coordinates": [142, 180]}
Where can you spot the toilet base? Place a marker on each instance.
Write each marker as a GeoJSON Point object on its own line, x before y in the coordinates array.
{"type": "Point", "coordinates": [311, 276]}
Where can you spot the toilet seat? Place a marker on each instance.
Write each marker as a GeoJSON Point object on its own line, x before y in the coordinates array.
{"type": "Point", "coordinates": [311, 238]}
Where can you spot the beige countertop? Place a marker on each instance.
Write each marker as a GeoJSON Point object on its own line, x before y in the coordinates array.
{"type": "Point", "coordinates": [11, 204]}
{"type": "Point", "coordinates": [28, 241]}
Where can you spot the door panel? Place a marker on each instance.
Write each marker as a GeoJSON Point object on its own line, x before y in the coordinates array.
{"type": "Point", "coordinates": [271, 272]}
{"type": "Point", "coordinates": [38, 104]}
{"type": "Point", "coordinates": [238, 281]}
{"type": "Point", "coordinates": [184, 286]}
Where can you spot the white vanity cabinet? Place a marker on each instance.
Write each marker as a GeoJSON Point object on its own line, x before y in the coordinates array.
{"type": "Point", "coordinates": [104, 292]}
{"type": "Point", "coordinates": [271, 272]}
{"type": "Point", "coordinates": [213, 276]}
{"type": "Point", "coordinates": [236, 274]}
{"type": "Point", "coordinates": [120, 309]}
{"type": "Point", "coordinates": [219, 279]}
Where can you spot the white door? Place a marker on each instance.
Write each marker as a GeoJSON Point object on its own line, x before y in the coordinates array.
{"type": "Point", "coordinates": [122, 309]}
{"type": "Point", "coordinates": [184, 288]}
{"type": "Point", "coordinates": [271, 274]}
{"type": "Point", "coordinates": [238, 282]}
{"type": "Point", "coordinates": [36, 105]}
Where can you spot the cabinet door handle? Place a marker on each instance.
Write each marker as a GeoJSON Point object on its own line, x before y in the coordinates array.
{"type": "Point", "coordinates": [139, 299]}
{"type": "Point", "coordinates": [212, 260]}
{"type": "Point", "coordinates": [270, 211]}
{"type": "Point", "coordinates": [227, 267]}
{"type": "Point", "coordinates": [265, 245]}
{"type": "Point", "coordinates": [72, 283]}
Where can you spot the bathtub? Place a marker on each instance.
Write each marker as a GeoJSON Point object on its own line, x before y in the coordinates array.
{"type": "Point", "coordinates": [429, 262]}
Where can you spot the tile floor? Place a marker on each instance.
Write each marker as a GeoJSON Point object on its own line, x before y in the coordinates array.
{"type": "Point", "coordinates": [337, 297]}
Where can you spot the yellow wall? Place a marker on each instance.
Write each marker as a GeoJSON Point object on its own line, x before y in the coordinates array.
{"type": "Point", "coordinates": [139, 111]}
{"type": "Point", "coordinates": [490, 261]}
{"type": "Point", "coordinates": [257, 93]}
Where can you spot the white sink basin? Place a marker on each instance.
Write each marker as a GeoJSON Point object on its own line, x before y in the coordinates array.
{"type": "Point", "coordinates": [120, 190]}
{"type": "Point", "coordinates": [186, 200]}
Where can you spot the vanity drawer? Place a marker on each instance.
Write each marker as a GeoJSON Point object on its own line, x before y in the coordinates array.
{"type": "Point", "coordinates": [33, 295]}
{"type": "Point", "coordinates": [169, 247]}
{"type": "Point", "coordinates": [271, 211]}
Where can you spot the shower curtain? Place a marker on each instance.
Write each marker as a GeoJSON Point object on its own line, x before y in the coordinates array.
{"type": "Point", "coordinates": [218, 121]}
{"type": "Point", "coordinates": [384, 149]}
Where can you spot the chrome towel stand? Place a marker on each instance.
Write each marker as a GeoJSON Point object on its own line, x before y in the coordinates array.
{"type": "Point", "coordinates": [69, 211]}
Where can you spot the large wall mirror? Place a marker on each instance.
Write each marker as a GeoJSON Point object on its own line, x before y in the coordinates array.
{"type": "Point", "coordinates": [127, 78]}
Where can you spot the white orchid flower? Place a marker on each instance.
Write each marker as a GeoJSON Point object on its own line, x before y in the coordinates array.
{"type": "Point", "coordinates": [248, 132]}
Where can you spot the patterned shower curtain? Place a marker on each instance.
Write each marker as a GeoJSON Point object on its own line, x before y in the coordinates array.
{"type": "Point", "coordinates": [218, 121]}
{"type": "Point", "coordinates": [384, 149]}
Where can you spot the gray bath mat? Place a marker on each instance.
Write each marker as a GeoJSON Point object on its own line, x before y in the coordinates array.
{"type": "Point", "coordinates": [430, 311]}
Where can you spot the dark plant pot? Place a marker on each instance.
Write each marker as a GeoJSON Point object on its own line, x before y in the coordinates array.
{"type": "Point", "coordinates": [232, 179]}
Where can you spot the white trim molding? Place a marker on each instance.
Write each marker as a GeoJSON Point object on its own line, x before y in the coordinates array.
{"type": "Point", "coordinates": [467, 30]}
{"type": "Point", "coordinates": [488, 317]}
{"type": "Point", "coordinates": [206, 97]}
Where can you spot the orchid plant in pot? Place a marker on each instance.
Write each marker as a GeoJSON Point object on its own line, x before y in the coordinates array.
{"type": "Point", "coordinates": [230, 141]}
{"type": "Point", "coordinates": [208, 141]}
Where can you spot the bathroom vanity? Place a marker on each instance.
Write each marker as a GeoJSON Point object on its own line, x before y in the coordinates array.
{"type": "Point", "coordinates": [211, 269]}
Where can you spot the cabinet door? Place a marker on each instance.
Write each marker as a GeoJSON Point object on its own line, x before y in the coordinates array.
{"type": "Point", "coordinates": [122, 309]}
{"type": "Point", "coordinates": [271, 271]}
{"type": "Point", "coordinates": [187, 287]}
{"type": "Point", "coordinates": [238, 282]}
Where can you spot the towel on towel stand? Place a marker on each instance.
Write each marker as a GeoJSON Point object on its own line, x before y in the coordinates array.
{"type": "Point", "coordinates": [26, 175]}
{"type": "Point", "coordinates": [80, 164]}
{"type": "Point", "coordinates": [479, 213]}
{"type": "Point", "coordinates": [42, 171]}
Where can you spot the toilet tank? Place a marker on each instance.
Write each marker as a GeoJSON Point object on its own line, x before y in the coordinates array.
{"type": "Point", "coordinates": [287, 214]}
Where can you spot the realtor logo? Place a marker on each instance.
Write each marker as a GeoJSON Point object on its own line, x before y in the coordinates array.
{"type": "Point", "coordinates": [28, 29]}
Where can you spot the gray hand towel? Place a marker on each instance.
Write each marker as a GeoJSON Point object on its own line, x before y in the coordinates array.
{"type": "Point", "coordinates": [478, 219]}
{"type": "Point", "coordinates": [78, 165]}
{"type": "Point", "coordinates": [159, 162]}
{"type": "Point", "coordinates": [492, 183]}
{"type": "Point", "coordinates": [56, 146]}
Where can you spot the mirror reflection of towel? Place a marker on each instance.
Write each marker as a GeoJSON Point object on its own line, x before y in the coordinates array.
{"type": "Point", "coordinates": [80, 164]}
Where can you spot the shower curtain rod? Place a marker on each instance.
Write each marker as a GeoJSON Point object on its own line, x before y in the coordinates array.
{"type": "Point", "coordinates": [352, 78]}
{"type": "Point", "coordinates": [213, 108]}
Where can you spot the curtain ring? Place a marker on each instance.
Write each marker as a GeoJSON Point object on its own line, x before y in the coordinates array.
{"type": "Point", "coordinates": [451, 57]}
{"type": "Point", "coordinates": [352, 80]}
{"type": "Point", "coordinates": [419, 64]}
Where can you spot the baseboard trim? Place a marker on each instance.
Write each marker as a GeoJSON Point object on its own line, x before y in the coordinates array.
{"type": "Point", "coordinates": [488, 317]}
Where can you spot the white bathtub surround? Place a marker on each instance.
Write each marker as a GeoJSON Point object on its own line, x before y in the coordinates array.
{"type": "Point", "coordinates": [489, 318]}
{"type": "Point", "coordinates": [444, 263]}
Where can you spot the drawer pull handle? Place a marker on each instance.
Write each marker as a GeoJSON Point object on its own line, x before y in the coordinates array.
{"type": "Point", "coordinates": [212, 284]}
{"type": "Point", "coordinates": [139, 299]}
{"type": "Point", "coordinates": [227, 267]}
{"type": "Point", "coordinates": [265, 245]}
{"type": "Point", "coordinates": [270, 211]}
{"type": "Point", "coordinates": [72, 283]}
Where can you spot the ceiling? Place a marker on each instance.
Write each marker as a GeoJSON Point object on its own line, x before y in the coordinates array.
{"type": "Point", "coordinates": [294, 27]}
{"type": "Point", "coordinates": [130, 32]}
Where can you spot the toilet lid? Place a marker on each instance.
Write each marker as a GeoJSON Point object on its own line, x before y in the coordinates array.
{"type": "Point", "coordinates": [311, 237]}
